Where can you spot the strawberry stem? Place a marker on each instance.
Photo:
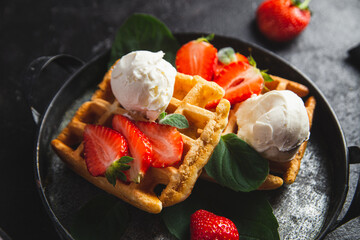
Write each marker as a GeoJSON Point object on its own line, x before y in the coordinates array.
{"type": "Point", "coordinates": [115, 170]}
{"type": "Point", "coordinates": [138, 178]}
{"type": "Point", "coordinates": [302, 5]}
{"type": "Point", "coordinates": [252, 61]}
{"type": "Point", "coordinates": [208, 38]}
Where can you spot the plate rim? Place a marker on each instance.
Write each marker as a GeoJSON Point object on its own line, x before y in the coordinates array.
{"type": "Point", "coordinates": [38, 176]}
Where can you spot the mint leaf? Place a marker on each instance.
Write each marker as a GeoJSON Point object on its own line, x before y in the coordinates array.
{"type": "Point", "coordinates": [104, 217]}
{"type": "Point", "coordinates": [236, 165]}
{"type": "Point", "coordinates": [143, 32]}
{"type": "Point", "coordinates": [251, 212]}
{"type": "Point", "coordinates": [227, 55]}
{"type": "Point", "coordinates": [175, 120]}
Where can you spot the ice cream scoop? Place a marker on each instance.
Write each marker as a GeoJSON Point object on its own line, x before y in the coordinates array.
{"type": "Point", "coordinates": [143, 83]}
{"type": "Point", "coordinates": [274, 124]}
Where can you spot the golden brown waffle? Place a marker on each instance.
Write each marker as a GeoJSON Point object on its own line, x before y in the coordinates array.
{"type": "Point", "coordinates": [191, 94]}
{"type": "Point", "coordinates": [289, 170]}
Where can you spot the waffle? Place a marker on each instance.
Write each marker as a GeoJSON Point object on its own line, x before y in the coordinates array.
{"type": "Point", "coordinates": [191, 94]}
{"type": "Point", "coordinates": [288, 170]}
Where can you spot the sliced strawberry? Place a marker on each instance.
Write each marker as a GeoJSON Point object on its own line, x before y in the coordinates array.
{"type": "Point", "coordinates": [197, 57]}
{"type": "Point", "coordinates": [139, 145]}
{"type": "Point", "coordinates": [102, 147]}
{"type": "Point", "coordinates": [220, 66]}
{"type": "Point", "coordinates": [240, 80]}
{"type": "Point", "coordinates": [166, 141]}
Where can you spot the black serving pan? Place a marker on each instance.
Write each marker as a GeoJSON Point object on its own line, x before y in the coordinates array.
{"type": "Point", "coordinates": [307, 209]}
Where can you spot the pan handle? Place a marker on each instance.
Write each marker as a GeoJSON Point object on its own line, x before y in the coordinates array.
{"type": "Point", "coordinates": [32, 76]}
{"type": "Point", "coordinates": [354, 209]}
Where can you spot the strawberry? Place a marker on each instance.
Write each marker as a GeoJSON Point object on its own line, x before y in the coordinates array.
{"type": "Point", "coordinates": [197, 57]}
{"type": "Point", "coordinates": [205, 225]}
{"type": "Point", "coordinates": [139, 145]}
{"type": "Point", "coordinates": [283, 20]}
{"type": "Point", "coordinates": [240, 80]}
{"type": "Point", "coordinates": [103, 147]}
{"type": "Point", "coordinates": [166, 141]}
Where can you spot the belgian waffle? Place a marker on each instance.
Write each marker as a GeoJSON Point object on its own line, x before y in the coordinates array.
{"type": "Point", "coordinates": [191, 94]}
{"type": "Point", "coordinates": [289, 170]}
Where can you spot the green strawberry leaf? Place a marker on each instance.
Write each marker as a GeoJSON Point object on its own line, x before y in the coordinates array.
{"type": "Point", "coordinates": [208, 38]}
{"type": "Point", "coordinates": [126, 159]}
{"type": "Point", "coordinates": [174, 119]}
{"type": "Point", "coordinates": [227, 55]}
{"type": "Point", "coordinates": [252, 61]}
{"type": "Point", "coordinates": [104, 217]}
{"type": "Point", "coordinates": [143, 32]}
{"type": "Point", "coordinates": [266, 77]}
{"type": "Point", "coordinates": [251, 212]}
{"type": "Point", "coordinates": [234, 164]}
{"type": "Point", "coordinates": [303, 5]}
{"type": "Point", "coordinates": [117, 168]}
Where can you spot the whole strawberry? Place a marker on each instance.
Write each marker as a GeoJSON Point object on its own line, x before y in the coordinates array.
{"type": "Point", "coordinates": [205, 225]}
{"type": "Point", "coordinates": [197, 57]}
{"type": "Point", "coordinates": [283, 20]}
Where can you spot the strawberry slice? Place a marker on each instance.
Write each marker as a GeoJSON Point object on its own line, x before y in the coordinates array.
{"type": "Point", "coordinates": [139, 145]}
{"type": "Point", "coordinates": [103, 146]}
{"type": "Point", "coordinates": [220, 66]}
{"type": "Point", "coordinates": [166, 141]}
{"type": "Point", "coordinates": [240, 80]}
{"type": "Point", "coordinates": [197, 57]}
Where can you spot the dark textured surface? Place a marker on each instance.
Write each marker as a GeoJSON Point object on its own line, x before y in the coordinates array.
{"type": "Point", "coordinates": [83, 28]}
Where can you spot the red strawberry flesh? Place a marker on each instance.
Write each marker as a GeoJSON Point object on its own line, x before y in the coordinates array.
{"type": "Point", "coordinates": [220, 66]}
{"type": "Point", "coordinates": [139, 145]}
{"type": "Point", "coordinates": [240, 80]}
{"type": "Point", "coordinates": [102, 146]}
{"type": "Point", "coordinates": [166, 141]}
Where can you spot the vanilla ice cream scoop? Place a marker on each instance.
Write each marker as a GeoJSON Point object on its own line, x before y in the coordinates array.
{"type": "Point", "coordinates": [143, 83]}
{"type": "Point", "coordinates": [274, 124]}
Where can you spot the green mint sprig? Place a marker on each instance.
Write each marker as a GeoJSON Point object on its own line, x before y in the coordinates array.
{"type": "Point", "coordinates": [174, 119]}
{"type": "Point", "coordinates": [102, 217]}
{"type": "Point", "coordinates": [236, 165]}
{"type": "Point", "coordinates": [144, 32]}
